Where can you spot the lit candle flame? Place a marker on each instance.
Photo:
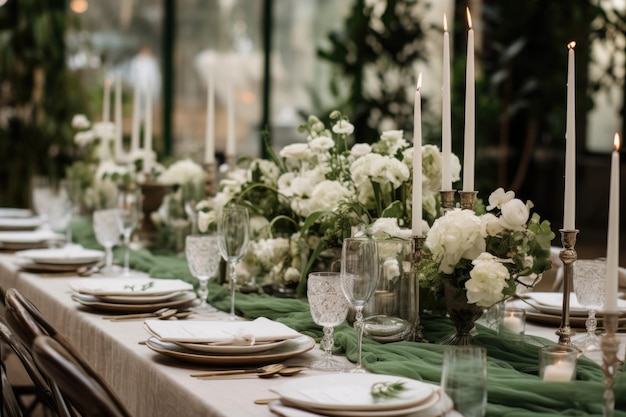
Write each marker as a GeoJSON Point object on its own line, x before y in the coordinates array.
{"type": "Point", "coordinates": [469, 17]}
{"type": "Point", "coordinates": [571, 45]}
{"type": "Point", "coordinates": [616, 141]}
{"type": "Point", "coordinates": [419, 82]}
{"type": "Point", "coordinates": [445, 23]}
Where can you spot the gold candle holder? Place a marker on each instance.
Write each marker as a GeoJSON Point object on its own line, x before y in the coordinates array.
{"type": "Point", "coordinates": [210, 179]}
{"type": "Point", "coordinates": [418, 254]}
{"type": "Point", "coordinates": [568, 256]}
{"type": "Point", "coordinates": [610, 362]}
{"type": "Point", "coordinates": [447, 201]}
{"type": "Point", "coordinates": [468, 199]}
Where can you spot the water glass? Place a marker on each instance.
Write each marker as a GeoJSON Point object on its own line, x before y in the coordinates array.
{"type": "Point", "coordinates": [203, 259]}
{"type": "Point", "coordinates": [107, 233]}
{"type": "Point", "coordinates": [128, 216]}
{"type": "Point", "coordinates": [588, 280]}
{"type": "Point", "coordinates": [464, 379]}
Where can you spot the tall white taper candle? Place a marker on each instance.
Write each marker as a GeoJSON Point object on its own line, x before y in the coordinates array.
{"type": "Point", "coordinates": [416, 214]}
{"type": "Point", "coordinates": [470, 112]}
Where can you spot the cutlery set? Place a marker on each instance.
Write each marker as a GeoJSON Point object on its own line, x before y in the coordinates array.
{"type": "Point", "coordinates": [161, 314]}
{"type": "Point", "coordinates": [268, 371]}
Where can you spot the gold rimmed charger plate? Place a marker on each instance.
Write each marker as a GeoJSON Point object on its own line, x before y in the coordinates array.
{"type": "Point", "coordinates": [289, 349]}
{"type": "Point", "coordinates": [183, 300]}
{"type": "Point", "coordinates": [232, 349]}
{"type": "Point", "coordinates": [37, 267]}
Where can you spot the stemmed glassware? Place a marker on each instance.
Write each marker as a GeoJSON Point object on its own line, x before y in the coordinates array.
{"type": "Point", "coordinates": [329, 308]}
{"type": "Point", "coordinates": [105, 227]}
{"type": "Point", "coordinates": [588, 280]}
{"type": "Point", "coordinates": [203, 258]}
{"type": "Point", "coordinates": [359, 277]}
{"type": "Point", "coordinates": [233, 231]}
{"type": "Point", "coordinates": [128, 215]}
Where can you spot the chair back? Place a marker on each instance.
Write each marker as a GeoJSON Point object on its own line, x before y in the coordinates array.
{"type": "Point", "coordinates": [87, 394]}
{"type": "Point", "coordinates": [10, 405]}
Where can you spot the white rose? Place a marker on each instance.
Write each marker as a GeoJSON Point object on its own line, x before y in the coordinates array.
{"type": "Point", "coordinates": [80, 121]}
{"type": "Point", "coordinates": [490, 225]}
{"type": "Point", "coordinates": [514, 215]}
{"type": "Point", "coordinates": [297, 151]}
{"type": "Point", "coordinates": [205, 219]}
{"type": "Point", "coordinates": [360, 149]}
{"type": "Point", "coordinates": [327, 194]}
{"type": "Point", "coordinates": [343, 127]}
{"type": "Point", "coordinates": [387, 227]}
{"type": "Point", "coordinates": [84, 138]}
{"type": "Point", "coordinates": [487, 281]}
{"type": "Point", "coordinates": [391, 268]}
{"type": "Point", "coordinates": [321, 144]}
{"type": "Point", "coordinates": [498, 198]}
{"type": "Point", "coordinates": [292, 275]}
{"type": "Point", "coordinates": [104, 130]}
{"type": "Point", "coordinates": [182, 172]}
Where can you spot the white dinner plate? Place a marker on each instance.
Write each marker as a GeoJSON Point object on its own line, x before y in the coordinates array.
{"type": "Point", "coordinates": [289, 349]}
{"type": "Point", "coordinates": [351, 392]}
{"type": "Point", "coordinates": [182, 301]}
{"type": "Point", "coordinates": [20, 223]}
{"type": "Point", "coordinates": [62, 256]}
{"type": "Point", "coordinates": [25, 237]}
{"type": "Point", "coordinates": [536, 316]}
{"type": "Point", "coordinates": [435, 406]}
{"type": "Point", "coordinates": [232, 349]}
{"type": "Point", "coordinates": [138, 299]}
{"type": "Point", "coordinates": [12, 213]}
{"type": "Point", "coordinates": [129, 287]}
{"type": "Point", "coordinates": [552, 303]}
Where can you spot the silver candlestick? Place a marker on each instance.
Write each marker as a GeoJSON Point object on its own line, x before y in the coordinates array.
{"type": "Point", "coordinates": [568, 256]}
{"type": "Point", "coordinates": [418, 254]}
{"type": "Point", "coordinates": [610, 363]}
{"type": "Point", "coordinates": [447, 201]}
{"type": "Point", "coordinates": [210, 178]}
{"type": "Point", "coordinates": [468, 199]}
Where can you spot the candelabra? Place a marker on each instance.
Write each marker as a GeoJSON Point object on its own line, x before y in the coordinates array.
{"type": "Point", "coordinates": [610, 363]}
{"type": "Point", "coordinates": [468, 199]}
{"type": "Point", "coordinates": [418, 254]}
{"type": "Point", "coordinates": [447, 201]}
{"type": "Point", "coordinates": [210, 178]}
{"type": "Point", "coordinates": [568, 256]}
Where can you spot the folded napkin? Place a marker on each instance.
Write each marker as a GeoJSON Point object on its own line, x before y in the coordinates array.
{"type": "Point", "coordinates": [259, 330]}
{"type": "Point", "coordinates": [128, 286]}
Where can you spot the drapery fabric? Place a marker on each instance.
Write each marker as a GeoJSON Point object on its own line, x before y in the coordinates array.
{"type": "Point", "coordinates": [514, 387]}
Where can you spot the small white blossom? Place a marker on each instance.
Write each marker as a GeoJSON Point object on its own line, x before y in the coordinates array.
{"type": "Point", "coordinates": [498, 198]}
{"type": "Point", "coordinates": [296, 151]}
{"type": "Point", "coordinates": [487, 280]}
{"type": "Point", "coordinates": [343, 127]}
{"type": "Point", "coordinates": [321, 144]}
{"type": "Point", "coordinates": [182, 172]}
{"type": "Point", "coordinates": [80, 121]}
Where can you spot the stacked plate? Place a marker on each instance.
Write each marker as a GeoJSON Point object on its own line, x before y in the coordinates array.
{"type": "Point", "coordinates": [226, 342]}
{"type": "Point", "coordinates": [18, 219]}
{"type": "Point", "coordinates": [20, 240]}
{"type": "Point", "coordinates": [132, 295]}
{"type": "Point", "coordinates": [350, 395]}
{"type": "Point", "coordinates": [68, 259]}
{"type": "Point", "coordinates": [547, 308]}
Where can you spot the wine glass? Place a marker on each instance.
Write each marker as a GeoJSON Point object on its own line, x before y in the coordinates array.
{"type": "Point", "coordinates": [58, 209]}
{"type": "Point", "coordinates": [203, 258]}
{"type": "Point", "coordinates": [329, 308]}
{"type": "Point", "coordinates": [107, 233]}
{"type": "Point", "coordinates": [128, 215]}
{"type": "Point", "coordinates": [193, 193]}
{"type": "Point", "coordinates": [233, 231]}
{"type": "Point", "coordinates": [359, 277]}
{"type": "Point", "coordinates": [588, 280]}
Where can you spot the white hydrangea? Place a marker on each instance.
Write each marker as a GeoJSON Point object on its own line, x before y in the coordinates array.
{"type": "Point", "coordinates": [182, 172]}
{"type": "Point", "coordinates": [487, 280]}
{"type": "Point", "coordinates": [453, 236]}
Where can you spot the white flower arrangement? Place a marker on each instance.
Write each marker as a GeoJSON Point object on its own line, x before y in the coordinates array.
{"type": "Point", "coordinates": [488, 255]}
{"type": "Point", "coordinates": [321, 191]}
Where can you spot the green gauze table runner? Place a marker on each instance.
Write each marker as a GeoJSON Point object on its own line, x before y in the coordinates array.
{"type": "Point", "coordinates": [514, 387]}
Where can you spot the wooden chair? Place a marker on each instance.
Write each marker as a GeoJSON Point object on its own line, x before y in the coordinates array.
{"type": "Point", "coordinates": [28, 322]}
{"type": "Point", "coordinates": [86, 393]}
{"type": "Point", "coordinates": [41, 388]}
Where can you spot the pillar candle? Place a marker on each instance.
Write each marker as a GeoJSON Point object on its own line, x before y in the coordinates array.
{"type": "Point", "coordinates": [446, 122]}
{"type": "Point", "coordinates": [147, 138]}
{"type": "Point", "coordinates": [106, 101]}
{"type": "Point", "coordinates": [230, 122]}
{"type": "Point", "coordinates": [612, 250]}
{"type": "Point", "coordinates": [119, 145]}
{"type": "Point", "coordinates": [134, 134]}
{"type": "Point", "coordinates": [209, 138]}
{"type": "Point", "coordinates": [416, 216]}
{"type": "Point", "coordinates": [569, 209]}
{"type": "Point", "coordinates": [470, 117]}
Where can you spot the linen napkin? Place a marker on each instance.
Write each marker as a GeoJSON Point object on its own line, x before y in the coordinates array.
{"type": "Point", "coordinates": [259, 330]}
{"type": "Point", "coordinates": [128, 286]}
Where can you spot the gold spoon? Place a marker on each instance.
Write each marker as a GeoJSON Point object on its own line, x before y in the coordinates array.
{"type": "Point", "coordinates": [265, 370]}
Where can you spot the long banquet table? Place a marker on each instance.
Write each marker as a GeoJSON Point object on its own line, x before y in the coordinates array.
{"type": "Point", "coordinates": [153, 386]}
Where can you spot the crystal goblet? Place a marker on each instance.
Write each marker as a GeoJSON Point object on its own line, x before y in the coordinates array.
{"type": "Point", "coordinates": [329, 308]}
{"type": "Point", "coordinates": [203, 259]}
{"type": "Point", "coordinates": [589, 277]}
{"type": "Point", "coordinates": [108, 235]}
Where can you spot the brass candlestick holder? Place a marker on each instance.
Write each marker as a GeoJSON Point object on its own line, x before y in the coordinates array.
{"type": "Point", "coordinates": [418, 254]}
{"type": "Point", "coordinates": [447, 201]}
{"type": "Point", "coordinates": [468, 199]}
{"type": "Point", "coordinates": [568, 256]}
{"type": "Point", "coordinates": [231, 162]}
{"type": "Point", "coordinates": [210, 179]}
{"type": "Point", "coordinates": [610, 362]}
